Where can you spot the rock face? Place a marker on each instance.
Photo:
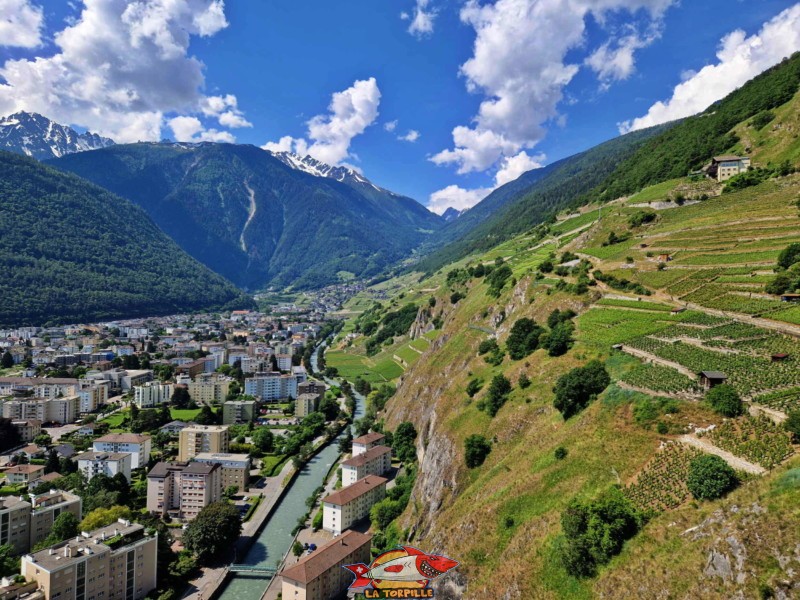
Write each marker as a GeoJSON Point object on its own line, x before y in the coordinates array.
{"type": "Point", "coordinates": [36, 136]}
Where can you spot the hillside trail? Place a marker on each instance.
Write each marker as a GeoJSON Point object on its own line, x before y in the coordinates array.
{"type": "Point", "coordinates": [734, 461]}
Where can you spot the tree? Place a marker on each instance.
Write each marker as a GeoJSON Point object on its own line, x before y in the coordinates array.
{"type": "Point", "coordinates": [725, 400]}
{"type": "Point", "coordinates": [384, 512]}
{"type": "Point", "coordinates": [476, 449]}
{"type": "Point", "coordinates": [710, 477]}
{"type": "Point", "coordinates": [473, 387]}
{"type": "Point", "coordinates": [65, 526]}
{"type": "Point", "coordinates": [498, 393]}
{"type": "Point", "coordinates": [100, 517]}
{"type": "Point", "coordinates": [575, 389]}
{"type": "Point", "coordinates": [52, 464]}
{"type": "Point", "coordinates": [9, 562]}
{"type": "Point", "coordinates": [9, 435]}
{"type": "Point", "coordinates": [206, 416]}
{"type": "Point", "coordinates": [524, 381]}
{"type": "Point", "coordinates": [297, 549]}
{"type": "Point", "coordinates": [560, 453]}
{"type": "Point", "coordinates": [213, 532]}
{"type": "Point", "coordinates": [523, 338]}
{"type": "Point", "coordinates": [792, 425]}
{"type": "Point", "coordinates": [230, 492]}
{"type": "Point", "coordinates": [346, 442]}
{"type": "Point", "coordinates": [559, 340]}
{"type": "Point", "coordinates": [43, 439]}
{"type": "Point", "coordinates": [180, 397]}
{"type": "Point", "coordinates": [263, 439]}
{"type": "Point", "coordinates": [329, 407]}
{"type": "Point", "coordinates": [789, 256]}
{"type": "Point", "coordinates": [403, 442]}
{"type": "Point", "coordinates": [7, 361]}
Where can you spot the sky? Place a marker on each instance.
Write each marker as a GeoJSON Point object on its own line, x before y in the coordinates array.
{"type": "Point", "coordinates": [439, 100]}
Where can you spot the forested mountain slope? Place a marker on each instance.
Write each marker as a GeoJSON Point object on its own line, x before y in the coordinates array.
{"type": "Point", "coordinates": [255, 220]}
{"type": "Point", "coordinates": [71, 251]}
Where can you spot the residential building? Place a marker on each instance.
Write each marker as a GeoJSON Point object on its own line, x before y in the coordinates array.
{"type": "Point", "coordinates": [202, 438]}
{"type": "Point", "coordinates": [136, 444]}
{"type": "Point", "coordinates": [45, 509]}
{"type": "Point", "coordinates": [15, 523]}
{"type": "Point", "coordinates": [63, 410]}
{"type": "Point", "coordinates": [284, 361]}
{"type": "Point", "coordinates": [273, 387]}
{"type": "Point", "coordinates": [235, 468]}
{"type": "Point", "coordinates": [350, 504]}
{"type": "Point", "coordinates": [209, 389]}
{"type": "Point", "coordinates": [152, 394]}
{"type": "Point", "coordinates": [40, 387]}
{"type": "Point", "coordinates": [174, 427]}
{"type": "Point", "coordinates": [182, 489]}
{"type": "Point", "coordinates": [724, 167]}
{"type": "Point", "coordinates": [28, 429]}
{"type": "Point", "coordinates": [26, 474]}
{"type": "Point", "coordinates": [312, 387]}
{"type": "Point", "coordinates": [92, 395]}
{"type": "Point", "coordinates": [320, 575]}
{"type": "Point", "coordinates": [117, 562]}
{"type": "Point", "coordinates": [104, 463]}
{"type": "Point", "coordinates": [11, 590]}
{"type": "Point", "coordinates": [305, 404]}
{"type": "Point", "coordinates": [239, 411]}
{"type": "Point", "coordinates": [375, 461]}
{"type": "Point", "coordinates": [367, 442]}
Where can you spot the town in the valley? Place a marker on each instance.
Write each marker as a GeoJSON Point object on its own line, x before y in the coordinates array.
{"type": "Point", "coordinates": [143, 458]}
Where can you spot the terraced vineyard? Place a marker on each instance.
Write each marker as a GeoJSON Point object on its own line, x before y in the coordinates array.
{"type": "Point", "coordinates": [659, 379]}
{"type": "Point", "coordinates": [661, 485]}
{"type": "Point", "coordinates": [784, 400]}
{"type": "Point", "coordinates": [756, 439]}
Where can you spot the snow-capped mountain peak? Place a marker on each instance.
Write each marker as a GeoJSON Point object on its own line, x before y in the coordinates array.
{"type": "Point", "coordinates": [312, 166]}
{"type": "Point", "coordinates": [33, 135]}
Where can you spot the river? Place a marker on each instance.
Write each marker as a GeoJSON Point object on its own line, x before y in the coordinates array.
{"type": "Point", "coordinates": [275, 539]}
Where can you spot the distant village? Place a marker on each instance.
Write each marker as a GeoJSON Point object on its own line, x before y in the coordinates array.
{"type": "Point", "coordinates": [168, 416]}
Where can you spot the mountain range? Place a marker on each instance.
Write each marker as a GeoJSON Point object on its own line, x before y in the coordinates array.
{"type": "Point", "coordinates": [33, 135]}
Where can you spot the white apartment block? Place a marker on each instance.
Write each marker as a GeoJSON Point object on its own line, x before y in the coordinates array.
{"type": "Point", "coordinates": [183, 489]}
{"type": "Point", "coordinates": [91, 396]}
{"type": "Point", "coordinates": [47, 410]}
{"type": "Point", "coordinates": [375, 461]}
{"type": "Point", "coordinates": [272, 387]}
{"type": "Point", "coordinates": [138, 445]}
{"type": "Point", "coordinates": [104, 463]}
{"type": "Point", "coordinates": [350, 504]}
{"type": "Point", "coordinates": [367, 442]}
{"type": "Point", "coordinates": [152, 394]}
{"type": "Point", "coordinates": [197, 439]}
{"type": "Point", "coordinates": [207, 389]}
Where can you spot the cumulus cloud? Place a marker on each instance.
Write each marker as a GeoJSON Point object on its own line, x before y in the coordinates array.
{"type": "Point", "coordinates": [412, 136]}
{"type": "Point", "coordinates": [120, 67]}
{"type": "Point", "coordinates": [509, 169]}
{"type": "Point", "coordinates": [190, 129]}
{"type": "Point", "coordinates": [519, 66]}
{"type": "Point", "coordinates": [422, 19]}
{"type": "Point", "coordinates": [20, 24]}
{"type": "Point", "coordinates": [740, 58]}
{"type": "Point", "coordinates": [615, 60]}
{"type": "Point", "coordinates": [390, 126]}
{"type": "Point", "coordinates": [350, 113]}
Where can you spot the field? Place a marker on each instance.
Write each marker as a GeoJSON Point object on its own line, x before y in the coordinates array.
{"type": "Point", "coordinates": [377, 369]}
{"type": "Point", "coordinates": [756, 439]}
{"type": "Point", "coordinates": [662, 483]}
{"type": "Point", "coordinates": [785, 400]}
{"type": "Point", "coordinates": [659, 379]}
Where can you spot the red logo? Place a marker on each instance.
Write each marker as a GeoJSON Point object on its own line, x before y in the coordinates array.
{"type": "Point", "coordinates": [399, 571]}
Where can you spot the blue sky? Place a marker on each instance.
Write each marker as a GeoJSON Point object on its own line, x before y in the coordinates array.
{"type": "Point", "coordinates": [555, 76]}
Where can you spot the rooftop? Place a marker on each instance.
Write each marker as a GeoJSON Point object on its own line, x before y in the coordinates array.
{"type": "Point", "coordinates": [12, 503]}
{"type": "Point", "coordinates": [713, 374]}
{"type": "Point", "coordinates": [326, 557]}
{"type": "Point", "coordinates": [21, 469]}
{"type": "Point", "coordinates": [163, 469]}
{"type": "Point", "coordinates": [102, 456]}
{"type": "Point", "coordinates": [211, 456]}
{"type": "Point", "coordinates": [369, 438]}
{"type": "Point", "coordinates": [124, 438]}
{"type": "Point", "coordinates": [200, 468]}
{"type": "Point", "coordinates": [356, 490]}
{"type": "Point", "coordinates": [367, 456]}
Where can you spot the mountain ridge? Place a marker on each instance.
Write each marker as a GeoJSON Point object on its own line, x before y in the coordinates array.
{"type": "Point", "coordinates": [39, 137]}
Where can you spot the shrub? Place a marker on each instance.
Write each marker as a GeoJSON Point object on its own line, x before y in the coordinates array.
{"type": "Point", "coordinates": [710, 477]}
{"type": "Point", "coordinates": [523, 338]}
{"type": "Point", "coordinates": [789, 256]}
{"type": "Point", "coordinates": [498, 393]}
{"type": "Point", "coordinates": [455, 297]}
{"type": "Point", "coordinates": [473, 387]}
{"type": "Point", "coordinates": [524, 381]}
{"type": "Point", "coordinates": [476, 449]}
{"type": "Point", "coordinates": [560, 453]}
{"type": "Point", "coordinates": [559, 340]}
{"type": "Point", "coordinates": [574, 390]}
{"type": "Point", "coordinates": [487, 346]}
{"type": "Point", "coordinates": [497, 280]}
{"type": "Point", "coordinates": [792, 425]}
{"type": "Point", "coordinates": [725, 400]}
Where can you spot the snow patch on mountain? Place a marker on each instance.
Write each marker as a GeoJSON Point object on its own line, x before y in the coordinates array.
{"type": "Point", "coordinates": [317, 168]}
{"type": "Point", "coordinates": [33, 135]}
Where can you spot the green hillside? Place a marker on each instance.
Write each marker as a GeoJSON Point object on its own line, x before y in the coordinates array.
{"type": "Point", "coordinates": [71, 252]}
{"type": "Point", "coordinates": [248, 216]}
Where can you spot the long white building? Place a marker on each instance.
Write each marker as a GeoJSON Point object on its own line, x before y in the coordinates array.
{"type": "Point", "coordinates": [350, 504]}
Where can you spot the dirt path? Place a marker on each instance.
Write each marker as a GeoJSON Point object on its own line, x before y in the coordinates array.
{"type": "Point", "coordinates": [777, 416]}
{"type": "Point", "coordinates": [676, 395]}
{"type": "Point", "coordinates": [737, 463]}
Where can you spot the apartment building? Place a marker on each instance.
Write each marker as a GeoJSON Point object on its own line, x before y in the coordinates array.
{"type": "Point", "coordinates": [273, 387]}
{"type": "Point", "coordinates": [375, 461]}
{"type": "Point", "coordinates": [152, 394]}
{"type": "Point", "coordinates": [305, 404]}
{"type": "Point", "coordinates": [209, 389]}
{"type": "Point", "coordinates": [138, 445]}
{"type": "Point", "coordinates": [28, 429]}
{"type": "Point", "coordinates": [63, 410]}
{"type": "Point", "coordinates": [92, 395]}
{"type": "Point", "coordinates": [202, 438]}
{"type": "Point", "coordinates": [104, 463]}
{"type": "Point", "coordinates": [367, 442]}
{"type": "Point", "coordinates": [235, 468]}
{"type": "Point", "coordinates": [239, 411]}
{"type": "Point", "coordinates": [117, 562]}
{"type": "Point", "coordinates": [15, 523]}
{"type": "Point", "coordinates": [312, 387]}
{"type": "Point", "coordinates": [26, 474]}
{"type": "Point", "coordinates": [182, 489]}
{"type": "Point", "coordinates": [44, 510]}
{"type": "Point", "coordinates": [342, 509]}
{"type": "Point", "coordinates": [40, 387]}
{"type": "Point", "coordinates": [320, 575]}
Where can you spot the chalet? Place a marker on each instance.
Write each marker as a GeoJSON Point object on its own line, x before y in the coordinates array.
{"type": "Point", "coordinates": [726, 166]}
{"type": "Point", "coordinates": [790, 297]}
{"type": "Point", "coordinates": [710, 379]}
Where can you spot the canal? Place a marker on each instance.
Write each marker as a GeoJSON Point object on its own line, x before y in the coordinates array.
{"type": "Point", "coordinates": [275, 539]}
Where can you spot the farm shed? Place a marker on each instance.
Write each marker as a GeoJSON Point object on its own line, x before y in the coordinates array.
{"type": "Point", "coordinates": [710, 379]}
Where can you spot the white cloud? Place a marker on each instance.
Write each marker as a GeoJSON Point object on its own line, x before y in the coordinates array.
{"type": "Point", "coordinates": [422, 19]}
{"type": "Point", "coordinates": [615, 60]}
{"type": "Point", "coordinates": [390, 125]}
{"type": "Point", "coordinates": [225, 109]}
{"type": "Point", "coordinates": [510, 168]}
{"type": "Point", "coordinates": [190, 129]}
{"type": "Point", "coordinates": [20, 24]}
{"type": "Point", "coordinates": [120, 67]}
{"type": "Point", "coordinates": [740, 58]}
{"type": "Point", "coordinates": [350, 113]}
{"type": "Point", "coordinates": [412, 136]}
{"type": "Point", "coordinates": [456, 197]}
{"type": "Point", "coordinates": [519, 66]}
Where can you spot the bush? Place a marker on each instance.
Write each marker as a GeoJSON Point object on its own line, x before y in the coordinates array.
{"type": "Point", "coordinates": [488, 346]}
{"type": "Point", "coordinates": [476, 449]}
{"type": "Point", "coordinates": [725, 400]}
{"type": "Point", "coordinates": [576, 389]}
{"type": "Point", "coordinates": [560, 453]}
{"type": "Point", "coordinates": [473, 387]}
{"type": "Point", "coordinates": [792, 425]}
{"type": "Point", "coordinates": [497, 395]}
{"type": "Point", "coordinates": [524, 381]}
{"type": "Point", "coordinates": [710, 477]}
{"type": "Point", "coordinates": [523, 338]}
{"type": "Point", "coordinates": [497, 280]}
{"type": "Point", "coordinates": [455, 297]}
